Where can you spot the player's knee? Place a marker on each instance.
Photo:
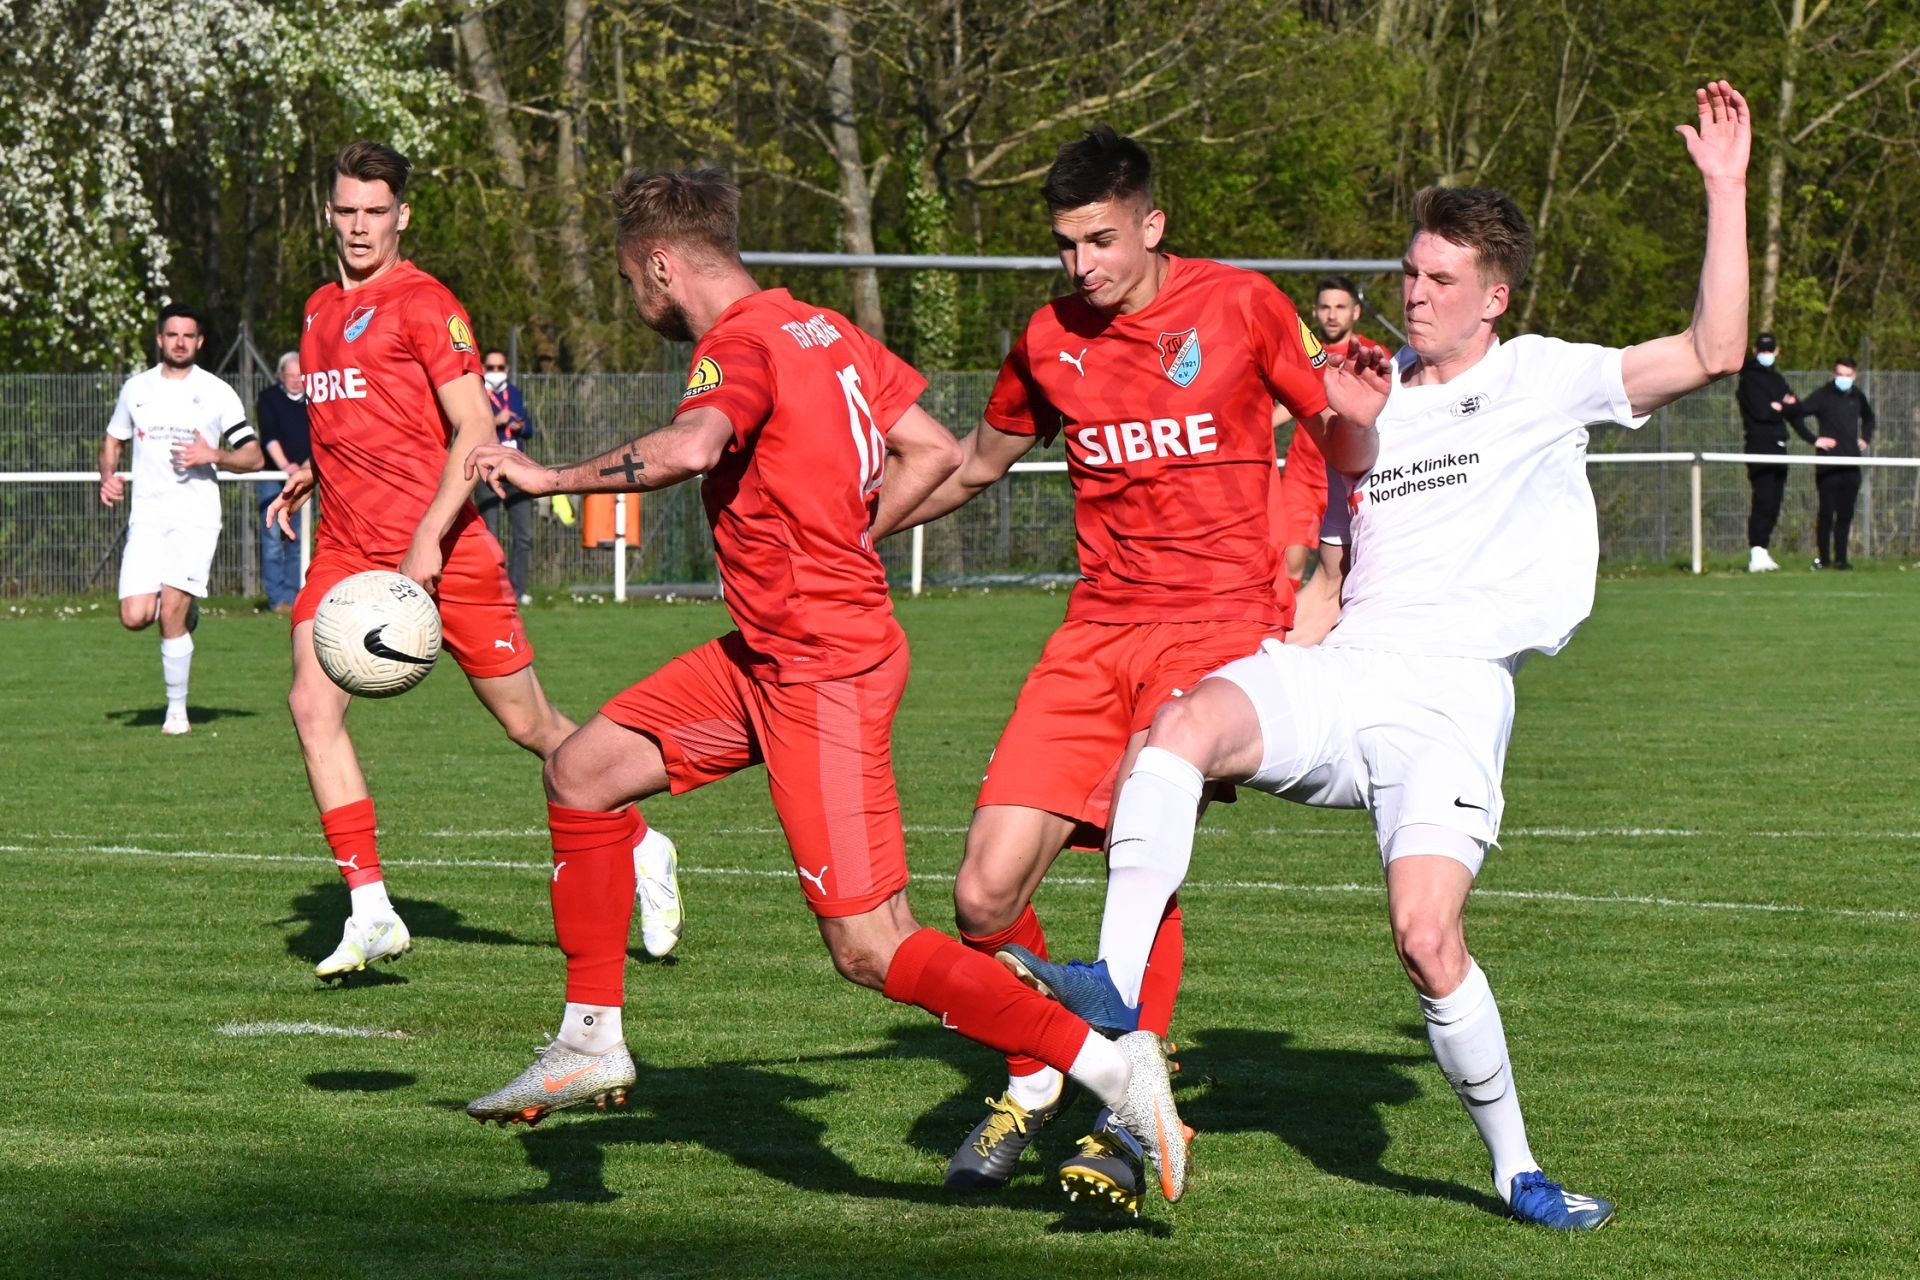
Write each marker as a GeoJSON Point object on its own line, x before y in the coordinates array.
{"type": "Point", "coordinates": [1183, 726]}
{"type": "Point", "coordinates": [559, 781]}
{"type": "Point", "coordinates": [136, 615]}
{"type": "Point", "coordinates": [1432, 951]}
{"type": "Point", "coordinates": [983, 903]}
{"type": "Point", "coordinates": [312, 710]}
{"type": "Point", "coordinates": [858, 962]}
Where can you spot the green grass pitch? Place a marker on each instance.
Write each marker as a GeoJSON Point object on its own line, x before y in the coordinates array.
{"type": "Point", "coordinates": [1702, 929]}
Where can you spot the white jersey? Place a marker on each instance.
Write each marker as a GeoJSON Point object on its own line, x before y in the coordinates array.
{"type": "Point", "coordinates": [1475, 534]}
{"type": "Point", "coordinates": [156, 413]}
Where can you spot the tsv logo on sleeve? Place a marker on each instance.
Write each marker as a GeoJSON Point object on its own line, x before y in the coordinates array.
{"type": "Point", "coordinates": [357, 322]}
{"type": "Point", "coordinates": [1180, 356]}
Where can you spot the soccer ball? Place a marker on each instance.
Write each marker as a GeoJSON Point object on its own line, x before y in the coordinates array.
{"type": "Point", "coordinates": [377, 634]}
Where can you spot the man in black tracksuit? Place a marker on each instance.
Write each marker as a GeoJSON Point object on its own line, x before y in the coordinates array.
{"type": "Point", "coordinates": [1846, 429]}
{"type": "Point", "coordinates": [1764, 396]}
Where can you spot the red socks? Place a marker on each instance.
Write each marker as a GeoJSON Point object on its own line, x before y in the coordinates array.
{"type": "Point", "coordinates": [1026, 932]}
{"type": "Point", "coordinates": [349, 831]}
{"type": "Point", "coordinates": [592, 891]}
{"type": "Point", "coordinates": [973, 995]}
{"type": "Point", "coordinates": [1162, 980]}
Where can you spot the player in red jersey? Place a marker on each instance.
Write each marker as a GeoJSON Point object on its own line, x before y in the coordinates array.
{"type": "Point", "coordinates": [1299, 501]}
{"type": "Point", "coordinates": [396, 403]}
{"type": "Point", "coordinates": [808, 437]}
{"type": "Point", "coordinates": [1158, 373]}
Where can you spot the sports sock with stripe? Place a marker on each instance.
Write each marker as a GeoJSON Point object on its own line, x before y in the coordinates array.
{"type": "Point", "coordinates": [1149, 849]}
{"type": "Point", "coordinates": [592, 892]}
{"type": "Point", "coordinates": [1471, 1047]}
{"type": "Point", "coordinates": [973, 995]}
{"type": "Point", "coordinates": [1026, 932]}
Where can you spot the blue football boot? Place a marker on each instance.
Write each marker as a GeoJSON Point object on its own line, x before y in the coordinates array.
{"type": "Point", "coordinates": [1085, 989]}
{"type": "Point", "coordinates": [1545, 1203]}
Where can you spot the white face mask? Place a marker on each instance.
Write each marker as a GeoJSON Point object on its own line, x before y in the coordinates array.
{"type": "Point", "coordinates": [1843, 384]}
{"type": "Point", "coordinates": [1765, 358]}
{"type": "Point", "coordinates": [496, 380]}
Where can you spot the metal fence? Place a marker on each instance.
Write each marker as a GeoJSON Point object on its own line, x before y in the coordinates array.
{"type": "Point", "coordinates": [56, 539]}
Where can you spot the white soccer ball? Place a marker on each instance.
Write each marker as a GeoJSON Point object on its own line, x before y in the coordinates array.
{"type": "Point", "coordinates": [377, 634]}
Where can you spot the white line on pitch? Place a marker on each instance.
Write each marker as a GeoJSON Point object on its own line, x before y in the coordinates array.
{"type": "Point", "coordinates": [305, 1029]}
{"type": "Point", "coordinates": [1200, 886]}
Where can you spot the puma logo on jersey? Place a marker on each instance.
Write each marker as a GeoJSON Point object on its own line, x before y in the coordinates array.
{"type": "Point", "coordinates": [334, 384]}
{"type": "Point", "coordinates": [818, 878]}
{"type": "Point", "coordinates": [1075, 361]}
{"type": "Point", "coordinates": [1119, 443]}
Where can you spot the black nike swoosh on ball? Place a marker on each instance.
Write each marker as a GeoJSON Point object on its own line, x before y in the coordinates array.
{"type": "Point", "coordinates": [1462, 804]}
{"type": "Point", "coordinates": [380, 649]}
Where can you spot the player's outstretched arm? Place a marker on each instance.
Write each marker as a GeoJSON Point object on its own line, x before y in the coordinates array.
{"type": "Point", "coordinates": [1715, 343]}
{"type": "Point", "coordinates": [1357, 390]}
{"type": "Point", "coordinates": [921, 455]}
{"type": "Point", "coordinates": [985, 456]}
{"type": "Point", "coordinates": [693, 443]}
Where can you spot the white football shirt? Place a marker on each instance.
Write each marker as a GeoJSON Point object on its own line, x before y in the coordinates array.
{"type": "Point", "coordinates": [1475, 534]}
{"type": "Point", "coordinates": [157, 413]}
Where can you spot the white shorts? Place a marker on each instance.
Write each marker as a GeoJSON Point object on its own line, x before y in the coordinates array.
{"type": "Point", "coordinates": [167, 555]}
{"type": "Point", "coordinates": [1418, 742]}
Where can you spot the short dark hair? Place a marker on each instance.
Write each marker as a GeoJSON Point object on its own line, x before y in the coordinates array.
{"type": "Point", "coordinates": [179, 311]}
{"type": "Point", "coordinates": [1102, 165]}
{"type": "Point", "coordinates": [492, 351]}
{"type": "Point", "coordinates": [371, 162]}
{"type": "Point", "coordinates": [1344, 284]}
{"type": "Point", "coordinates": [1483, 220]}
{"type": "Point", "coordinates": [697, 208]}
{"type": "Point", "coordinates": [1847, 362]}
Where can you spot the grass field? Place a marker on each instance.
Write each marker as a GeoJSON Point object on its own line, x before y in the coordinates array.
{"type": "Point", "coordinates": [1702, 928]}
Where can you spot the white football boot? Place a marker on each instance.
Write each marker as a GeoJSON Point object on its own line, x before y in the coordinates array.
{"type": "Point", "coordinates": [364, 941]}
{"type": "Point", "coordinates": [656, 892]}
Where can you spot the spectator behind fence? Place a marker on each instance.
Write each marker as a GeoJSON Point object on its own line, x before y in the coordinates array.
{"type": "Point", "coordinates": [282, 411]}
{"type": "Point", "coordinates": [1764, 398]}
{"type": "Point", "coordinates": [514, 427]}
{"type": "Point", "coordinates": [1846, 430]}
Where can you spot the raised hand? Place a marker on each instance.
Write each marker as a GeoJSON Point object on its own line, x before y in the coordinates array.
{"type": "Point", "coordinates": [1357, 386]}
{"type": "Point", "coordinates": [1722, 142]}
{"type": "Point", "coordinates": [494, 465]}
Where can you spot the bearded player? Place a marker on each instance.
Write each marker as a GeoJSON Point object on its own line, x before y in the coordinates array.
{"type": "Point", "coordinates": [396, 405]}
{"type": "Point", "coordinates": [1299, 501]}
{"type": "Point", "coordinates": [1159, 374]}
{"type": "Point", "coordinates": [807, 436]}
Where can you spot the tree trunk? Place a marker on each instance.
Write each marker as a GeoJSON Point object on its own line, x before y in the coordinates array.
{"type": "Point", "coordinates": [856, 195]}
{"type": "Point", "coordinates": [569, 164]}
{"type": "Point", "coordinates": [1777, 164]}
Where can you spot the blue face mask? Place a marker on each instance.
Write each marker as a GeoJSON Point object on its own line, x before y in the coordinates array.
{"type": "Point", "coordinates": [1843, 384]}
{"type": "Point", "coordinates": [1765, 358]}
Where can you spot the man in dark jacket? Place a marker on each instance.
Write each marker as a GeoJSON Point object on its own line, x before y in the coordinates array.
{"type": "Point", "coordinates": [1764, 396]}
{"type": "Point", "coordinates": [1846, 430]}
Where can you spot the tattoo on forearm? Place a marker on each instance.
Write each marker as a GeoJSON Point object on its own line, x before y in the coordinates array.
{"type": "Point", "coordinates": [629, 467]}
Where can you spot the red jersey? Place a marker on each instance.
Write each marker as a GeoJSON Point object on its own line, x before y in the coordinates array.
{"type": "Point", "coordinates": [1167, 415]}
{"type": "Point", "coordinates": [811, 398]}
{"type": "Point", "coordinates": [373, 357]}
{"type": "Point", "coordinates": [1304, 459]}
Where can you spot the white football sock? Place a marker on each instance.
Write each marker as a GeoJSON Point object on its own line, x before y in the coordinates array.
{"type": "Point", "coordinates": [176, 658]}
{"type": "Point", "coordinates": [590, 1028]}
{"type": "Point", "coordinates": [1102, 1070]}
{"type": "Point", "coordinates": [1035, 1091]}
{"type": "Point", "coordinates": [370, 901]}
{"type": "Point", "coordinates": [1147, 858]}
{"type": "Point", "coordinates": [650, 855]}
{"type": "Point", "coordinates": [1471, 1047]}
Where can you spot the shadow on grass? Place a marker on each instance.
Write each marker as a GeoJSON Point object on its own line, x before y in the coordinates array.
{"type": "Point", "coordinates": [319, 916]}
{"type": "Point", "coordinates": [359, 1081]}
{"type": "Point", "coordinates": [1327, 1104]}
{"type": "Point", "coordinates": [154, 717]}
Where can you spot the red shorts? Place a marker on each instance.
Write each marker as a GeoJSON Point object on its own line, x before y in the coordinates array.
{"type": "Point", "coordinates": [1095, 686]}
{"type": "Point", "coordinates": [1296, 511]}
{"type": "Point", "coordinates": [479, 621]}
{"type": "Point", "coordinates": [828, 748]}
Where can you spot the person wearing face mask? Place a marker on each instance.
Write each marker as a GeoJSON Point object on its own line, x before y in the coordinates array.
{"type": "Point", "coordinates": [514, 428]}
{"type": "Point", "coordinates": [1846, 430]}
{"type": "Point", "coordinates": [1763, 396]}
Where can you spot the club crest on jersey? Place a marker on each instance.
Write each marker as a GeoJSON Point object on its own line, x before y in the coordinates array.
{"type": "Point", "coordinates": [1316, 354]}
{"type": "Point", "coordinates": [357, 323]}
{"type": "Point", "coordinates": [706, 376]}
{"type": "Point", "coordinates": [1180, 356]}
{"type": "Point", "coordinates": [1467, 406]}
{"type": "Point", "coordinates": [458, 332]}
